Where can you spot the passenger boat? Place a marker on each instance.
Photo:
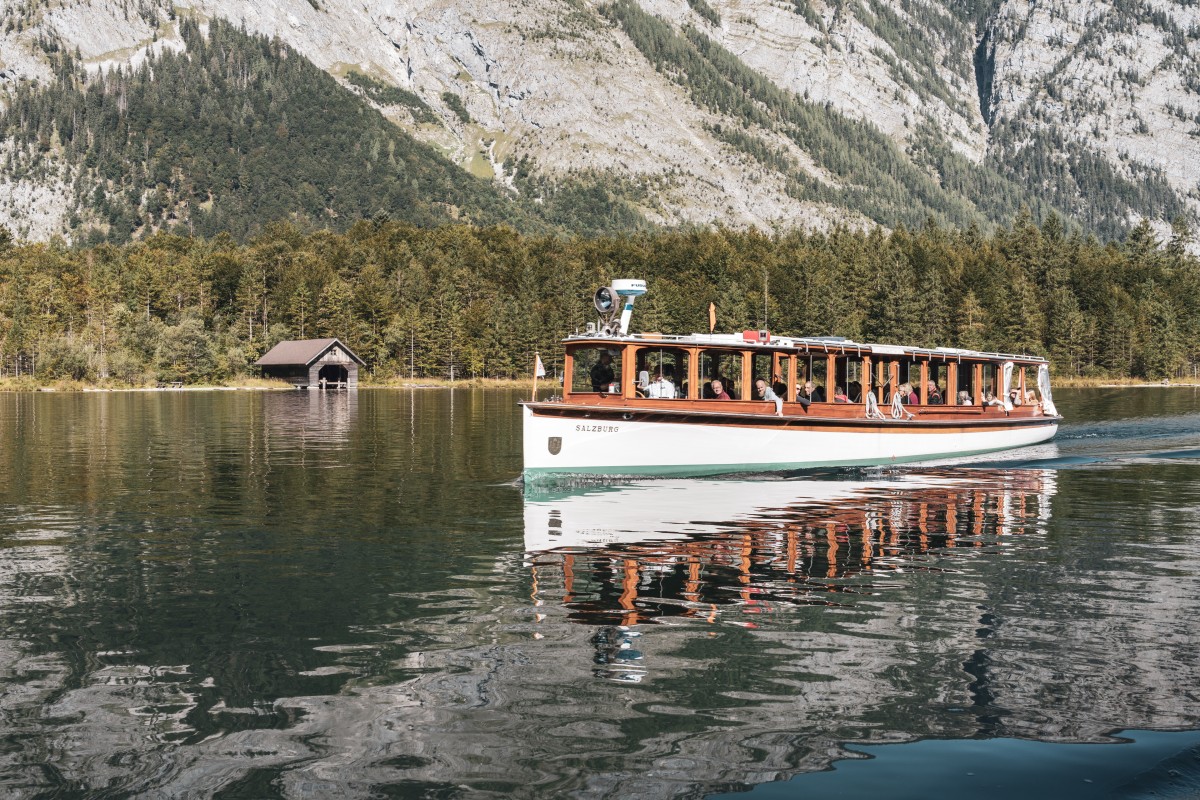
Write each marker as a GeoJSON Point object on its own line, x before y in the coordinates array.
{"type": "Point", "coordinates": [636, 404]}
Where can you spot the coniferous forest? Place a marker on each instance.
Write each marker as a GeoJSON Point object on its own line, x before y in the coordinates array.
{"type": "Point", "coordinates": [182, 272]}
{"type": "Point", "coordinates": [479, 301]}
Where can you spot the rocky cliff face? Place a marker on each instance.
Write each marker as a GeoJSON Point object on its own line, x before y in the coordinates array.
{"type": "Point", "coordinates": [558, 82]}
{"type": "Point", "coordinates": [1120, 80]}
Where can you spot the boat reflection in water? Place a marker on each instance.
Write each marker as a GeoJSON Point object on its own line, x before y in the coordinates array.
{"type": "Point", "coordinates": [739, 551]}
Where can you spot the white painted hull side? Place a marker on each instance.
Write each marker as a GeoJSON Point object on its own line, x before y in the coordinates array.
{"type": "Point", "coordinates": [621, 447]}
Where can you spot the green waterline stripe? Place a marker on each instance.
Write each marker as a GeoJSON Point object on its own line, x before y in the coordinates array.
{"type": "Point", "coordinates": [535, 474]}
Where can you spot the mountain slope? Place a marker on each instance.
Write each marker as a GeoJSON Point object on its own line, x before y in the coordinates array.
{"type": "Point", "coordinates": [1099, 105]}
{"type": "Point", "coordinates": [730, 111]}
{"type": "Point", "coordinates": [233, 131]}
{"type": "Point", "coordinates": [228, 133]}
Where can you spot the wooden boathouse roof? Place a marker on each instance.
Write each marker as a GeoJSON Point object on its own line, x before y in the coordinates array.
{"type": "Point", "coordinates": [302, 352]}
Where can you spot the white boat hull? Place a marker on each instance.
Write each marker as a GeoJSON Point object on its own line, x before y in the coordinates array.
{"type": "Point", "coordinates": [580, 445]}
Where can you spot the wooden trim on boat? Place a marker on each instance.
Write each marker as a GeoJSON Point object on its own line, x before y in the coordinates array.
{"type": "Point", "coordinates": [967, 419]}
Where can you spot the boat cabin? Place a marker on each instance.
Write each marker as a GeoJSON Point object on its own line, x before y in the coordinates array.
{"type": "Point", "coordinates": [823, 375]}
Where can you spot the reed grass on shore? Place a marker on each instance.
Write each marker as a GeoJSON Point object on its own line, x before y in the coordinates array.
{"type": "Point", "coordinates": [28, 384]}
{"type": "Point", "coordinates": [444, 383]}
{"type": "Point", "coordinates": [1092, 382]}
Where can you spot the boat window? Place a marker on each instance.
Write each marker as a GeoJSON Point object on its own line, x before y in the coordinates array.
{"type": "Point", "coordinates": [771, 368]}
{"type": "Point", "coordinates": [666, 373]}
{"type": "Point", "coordinates": [966, 383]}
{"type": "Point", "coordinates": [848, 380]}
{"type": "Point", "coordinates": [939, 375]}
{"type": "Point", "coordinates": [1032, 392]}
{"type": "Point", "coordinates": [887, 380]}
{"type": "Point", "coordinates": [909, 373]}
{"type": "Point", "coordinates": [722, 365]}
{"type": "Point", "coordinates": [779, 377]}
{"type": "Point", "coordinates": [813, 369]}
{"type": "Point", "coordinates": [596, 369]}
{"type": "Point", "coordinates": [991, 381]}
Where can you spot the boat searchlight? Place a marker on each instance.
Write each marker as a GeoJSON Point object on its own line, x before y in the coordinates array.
{"type": "Point", "coordinates": [614, 299]}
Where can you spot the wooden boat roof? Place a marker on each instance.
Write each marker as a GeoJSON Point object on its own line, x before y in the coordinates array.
{"type": "Point", "coordinates": [825, 344]}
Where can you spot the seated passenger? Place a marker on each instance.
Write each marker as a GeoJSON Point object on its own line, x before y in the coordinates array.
{"type": "Point", "coordinates": [854, 392]}
{"type": "Point", "coordinates": [907, 395]}
{"type": "Point", "coordinates": [718, 391]}
{"type": "Point", "coordinates": [778, 386]}
{"type": "Point", "coordinates": [935, 394]}
{"type": "Point", "coordinates": [839, 395]}
{"type": "Point", "coordinates": [642, 387]}
{"type": "Point", "coordinates": [964, 397]}
{"type": "Point", "coordinates": [990, 399]}
{"type": "Point", "coordinates": [1014, 396]}
{"type": "Point", "coordinates": [663, 387]}
{"type": "Point", "coordinates": [768, 394]}
{"type": "Point", "coordinates": [1031, 398]}
{"type": "Point", "coordinates": [602, 373]}
{"type": "Point", "coordinates": [812, 393]}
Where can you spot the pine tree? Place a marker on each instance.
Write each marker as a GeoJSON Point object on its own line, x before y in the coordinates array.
{"type": "Point", "coordinates": [973, 324]}
{"type": "Point", "coordinates": [1160, 345]}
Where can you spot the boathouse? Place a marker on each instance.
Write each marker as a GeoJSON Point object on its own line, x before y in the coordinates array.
{"type": "Point", "coordinates": [312, 364]}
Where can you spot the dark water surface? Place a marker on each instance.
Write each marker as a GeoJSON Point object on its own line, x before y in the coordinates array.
{"type": "Point", "coordinates": [246, 594]}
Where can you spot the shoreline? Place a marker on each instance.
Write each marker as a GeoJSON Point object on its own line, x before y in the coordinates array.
{"type": "Point", "coordinates": [68, 387]}
{"type": "Point", "coordinates": [74, 387]}
{"type": "Point", "coordinates": [1116, 383]}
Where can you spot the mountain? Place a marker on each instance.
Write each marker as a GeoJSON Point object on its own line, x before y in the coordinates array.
{"type": "Point", "coordinates": [122, 118]}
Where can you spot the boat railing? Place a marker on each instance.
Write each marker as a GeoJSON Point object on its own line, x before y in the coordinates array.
{"type": "Point", "coordinates": [827, 344]}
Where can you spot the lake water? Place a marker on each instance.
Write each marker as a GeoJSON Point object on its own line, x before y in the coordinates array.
{"type": "Point", "coordinates": [248, 594]}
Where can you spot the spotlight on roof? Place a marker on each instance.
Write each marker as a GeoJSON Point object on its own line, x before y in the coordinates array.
{"type": "Point", "coordinates": [614, 299]}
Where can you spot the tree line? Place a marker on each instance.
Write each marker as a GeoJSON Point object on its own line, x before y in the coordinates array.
{"type": "Point", "coordinates": [466, 301]}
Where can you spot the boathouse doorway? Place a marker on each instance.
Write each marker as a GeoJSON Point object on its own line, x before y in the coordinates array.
{"type": "Point", "coordinates": [333, 376]}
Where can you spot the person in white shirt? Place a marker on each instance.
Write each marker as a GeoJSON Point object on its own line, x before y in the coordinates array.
{"type": "Point", "coordinates": [663, 388]}
{"type": "Point", "coordinates": [767, 393]}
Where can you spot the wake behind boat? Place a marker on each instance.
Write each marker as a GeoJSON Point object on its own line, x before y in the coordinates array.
{"type": "Point", "coordinates": [708, 404]}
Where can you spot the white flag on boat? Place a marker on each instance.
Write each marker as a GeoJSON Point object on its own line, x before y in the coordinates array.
{"type": "Point", "coordinates": [539, 369]}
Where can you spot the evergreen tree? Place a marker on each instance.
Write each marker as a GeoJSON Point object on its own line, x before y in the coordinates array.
{"type": "Point", "coordinates": [973, 324]}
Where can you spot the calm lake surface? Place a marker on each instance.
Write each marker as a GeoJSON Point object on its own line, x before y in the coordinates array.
{"type": "Point", "coordinates": [249, 594]}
